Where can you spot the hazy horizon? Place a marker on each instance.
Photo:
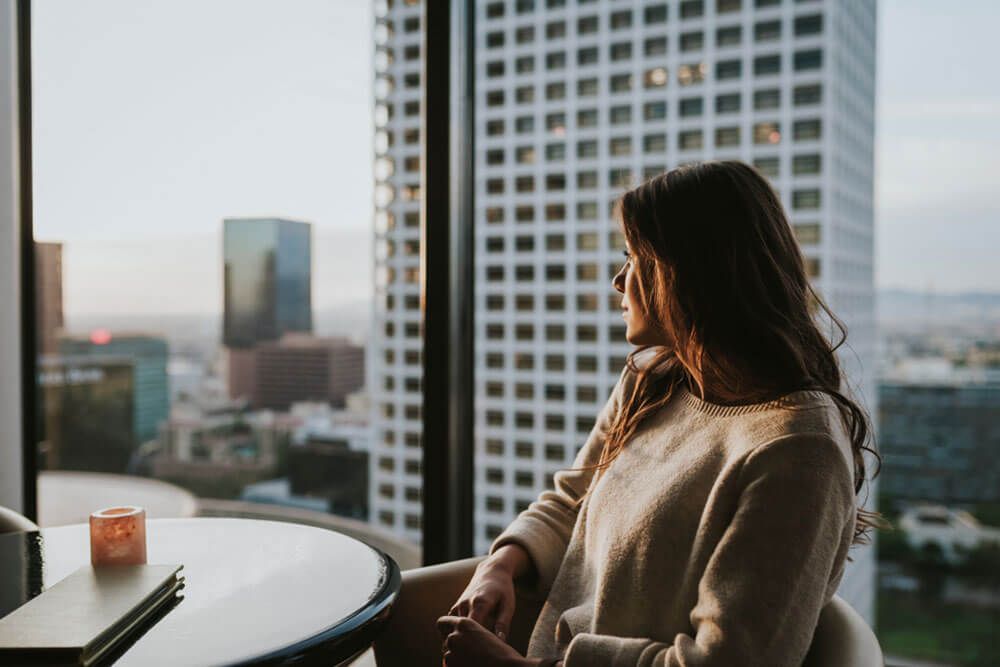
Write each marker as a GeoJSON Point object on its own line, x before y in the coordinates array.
{"type": "Point", "coordinates": [253, 108]}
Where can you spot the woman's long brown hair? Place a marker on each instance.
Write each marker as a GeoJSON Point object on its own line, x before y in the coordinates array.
{"type": "Point", "coordinates": [720, 271]}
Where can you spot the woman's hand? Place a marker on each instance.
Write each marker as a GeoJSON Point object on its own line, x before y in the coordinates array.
{"type": "Point", "coordinates": [489, 598]}
{"type": "Point", "coordinates": [469, 644]}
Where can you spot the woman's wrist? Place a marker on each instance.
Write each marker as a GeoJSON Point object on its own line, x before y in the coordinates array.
{"type": "Point", "coordinates": [510, 558]}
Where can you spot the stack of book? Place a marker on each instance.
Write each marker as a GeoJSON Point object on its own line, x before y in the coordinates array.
{"type": "Point", "coordinates": [88, 615]}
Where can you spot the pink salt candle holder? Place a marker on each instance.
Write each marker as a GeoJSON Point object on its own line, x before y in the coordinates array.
{"type": "Point", "coordinates": [118, 536]}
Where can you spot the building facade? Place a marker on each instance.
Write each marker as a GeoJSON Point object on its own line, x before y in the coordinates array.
{"type": "Point", "coordinates": [575, 102]}
{"type": "Point", "coordinates": [87, 419]}
{"type": "Point", "coordinates": [939, 439]}
{"type": "Point", "coordinates": [149, 362]}
{"type": "Point", "coordinates": [301, 368]}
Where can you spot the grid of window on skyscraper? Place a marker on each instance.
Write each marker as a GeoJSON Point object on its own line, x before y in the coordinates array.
{"type": "Point", "coordinates": [577, 100]}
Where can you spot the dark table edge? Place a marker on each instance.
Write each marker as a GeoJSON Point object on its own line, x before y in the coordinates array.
{"type": "Point", "coordinates": [347, 637]}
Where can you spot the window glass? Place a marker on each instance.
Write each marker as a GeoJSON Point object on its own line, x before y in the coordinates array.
{"type": "Point", "coordinates": [217, 332]}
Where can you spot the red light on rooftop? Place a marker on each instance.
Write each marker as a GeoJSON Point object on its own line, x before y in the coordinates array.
{"type": "Point", "coordinates": [100, 336]}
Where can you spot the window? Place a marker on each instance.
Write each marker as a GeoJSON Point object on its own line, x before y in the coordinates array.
{"type": "Point", "coordinates": [494, 39]}
{"type": "Point", "coordinates": [586, 118]}
{"type": "Point", "coordinates": [728, 103]}
{"type": "Point", "coordinates": [654, 143]}
{"type": "Point", "coordinates": [690, 140]}
{"type": "Point", "coordinates": [808, 25]}
{"type": "Point", "coordinates": [555, 30]}
{"type": "Point", "coordinates": [621, 114]}
{"type": "Point", "coordinates": [586, 25]}
{"type": "Point", "coordinates": [555, 152]}
{"type": "Point", "coordinates": [766, 65]}
{"type": "Point", "coordinates": [586, 180]}
{"type": "Point", "coordinates": [766, 133]}
{"type": "Point", "coordinates": [525, 64]}
{"type": "Point", "coordinates": [655, 78]}
{"type": "Point", "coordinates": [728, 69]}
{"type": "Point", "coordinates": [586, 149]}
{"type": "Point", "coordinates": [621, 83]}
{"type": "Point", "coordinates": [586, 210]}
{"type": "Point", "coordinates": [654, 110]}
{"type": "Point", "coordinates": [524, 94]}
{"type": "Point", "coordinates": [586, 87]}
{"type": "Point", "coordinates": [806, 164]}
{"type": "Point", "coordinates": [587, 56]}
{"type": "Point", "coordinates": [620, 146]}
{"type": "Point", "coordinates": [692, 41]}
{"type": "Point", "coordinates": [524, 124]}
{"type": "Point", "coordinates": [807, 233]}
{"type": "Point", "coordinates": [767, 31]}
{"type": "Point", "coordinates": [727, 136]}
{"type": "Point", "coordinates": [655, 46]}
{"type": "Point", "coordinates": [555, 60]}
{"type": "Point", "coordinates": [726, 6]}
{"type": "Point", "coordinates": [555, 122]}
{"type": "Point", "coordinates": [807, 130]}
{"type": "Point", "coordinates": [767, 99]}
{"type": "Point", "coordinates": [691, 106]}
{"type": "Point", "coordinates": [621, 51]}
{"type": "Point", "coordinates": [728, 36]}
{"type": "Point", "coordinates": [692, 8]}
{"type": "Point", "coordinates": [808, 60]}
{"type": "Point", "coordinates": [768, 166]}
{"type": "Point", "coordinates": [655, 14]}
{"type": "Point", "coordinates": [807, 95]}
{"type": "Point", "coordinates": [806, 199]}
{"type": "Point", "coordinates": [555, 182]}
{"type": "Point", "coordinates": [621, 19]}
{"type": "Point", "coordinates": [691, 73]}
{"type": "Point", "coordinates": [525, 35]}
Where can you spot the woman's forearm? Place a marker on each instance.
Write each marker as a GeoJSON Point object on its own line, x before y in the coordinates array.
{"type": "Point", "coordinates": [515, 560]}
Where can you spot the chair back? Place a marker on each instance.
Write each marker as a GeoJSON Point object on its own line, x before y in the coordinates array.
{"type": "Point", "coordinates": [843, 637]}
{"type": "Point", "coordinates": [12, 522]}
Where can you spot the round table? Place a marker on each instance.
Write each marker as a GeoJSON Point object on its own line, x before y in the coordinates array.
{"type": "Point", "coordinates": [256, 592]}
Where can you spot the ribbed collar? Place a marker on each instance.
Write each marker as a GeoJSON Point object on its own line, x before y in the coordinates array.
{"type": "Point", "coordinates": [790, 400]}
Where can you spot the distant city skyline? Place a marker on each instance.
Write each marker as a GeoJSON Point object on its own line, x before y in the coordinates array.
{"type": "Point", "coordinates": [266, 111]}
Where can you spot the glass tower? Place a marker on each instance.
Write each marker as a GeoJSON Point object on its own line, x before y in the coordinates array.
{"type": "Point", "coordinates": [267, 279]}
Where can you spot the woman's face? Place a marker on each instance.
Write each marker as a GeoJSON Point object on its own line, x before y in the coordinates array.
{"type": "Point", "coordinates": [640, 329]}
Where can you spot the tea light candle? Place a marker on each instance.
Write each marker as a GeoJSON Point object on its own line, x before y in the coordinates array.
{"type": "Point", "coordinates": [118, 536]}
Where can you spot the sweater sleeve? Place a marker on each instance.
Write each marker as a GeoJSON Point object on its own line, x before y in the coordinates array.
{"type": "Point", "coordinates": [544, 528]}
{"type": "Point", "coordinates": [765, 583]}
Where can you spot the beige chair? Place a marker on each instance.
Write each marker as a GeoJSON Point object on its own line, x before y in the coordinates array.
{"type": "Point", "coordinates": [411, 638]}
{"type": "Point", "coordinates": [12, 522]}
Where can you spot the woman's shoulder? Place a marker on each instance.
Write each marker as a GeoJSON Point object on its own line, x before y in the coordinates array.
{"type": "Point", "coordinates": [808, 414]}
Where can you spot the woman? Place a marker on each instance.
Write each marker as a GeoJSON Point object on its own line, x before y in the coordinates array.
{"type": "Point", "coordinates": [723, 525]}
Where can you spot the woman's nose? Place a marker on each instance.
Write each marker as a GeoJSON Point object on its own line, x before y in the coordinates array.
{"type": "Point", "coordinates": [619, 281]}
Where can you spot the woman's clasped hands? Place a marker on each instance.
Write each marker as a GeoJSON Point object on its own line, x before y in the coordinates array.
{"type": "Point", "coordinates": [475, 631]}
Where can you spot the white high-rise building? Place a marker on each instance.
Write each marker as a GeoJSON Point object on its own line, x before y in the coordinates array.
{"type": "Point", "coordinates": [575, 101]}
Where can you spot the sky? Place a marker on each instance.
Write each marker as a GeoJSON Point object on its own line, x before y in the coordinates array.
{"type": "Point", "coordinates": [154, 120]}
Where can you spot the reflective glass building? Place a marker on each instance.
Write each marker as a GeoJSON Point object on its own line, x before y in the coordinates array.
{"type": "Point", "coordinates": [267, 279]}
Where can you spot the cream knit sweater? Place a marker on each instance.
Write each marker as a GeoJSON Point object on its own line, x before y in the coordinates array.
{"type": "Point", "coordinates": [714, 539]}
